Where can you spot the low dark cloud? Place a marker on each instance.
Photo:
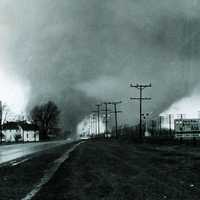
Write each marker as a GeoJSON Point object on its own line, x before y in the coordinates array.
{"type": "Point", "coordinates": [79, 53]}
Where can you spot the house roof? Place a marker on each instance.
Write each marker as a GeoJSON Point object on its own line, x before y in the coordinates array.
{"type": "Point", "coordinates": [10, 126]}
{"type": "Point", "coordinates": [17, 125]}
{"type": "Point", "coordinates": [29, 127]}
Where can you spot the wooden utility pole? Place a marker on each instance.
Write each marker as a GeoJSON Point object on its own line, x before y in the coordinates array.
{"type": "Point", "coordinates": [106, 116]}
{"type": "Point", "coordinates": [1, 111]}
{"type": "Point", "coordinates": [160, 124]}
{"type": "Point", "coordinates": [94, 125]}
{"type": "Point", "coordinates": [98, 117]}
{"type": "Point", "coordinates": [140, 87]}
{"type": "Point", "coordinates": [170, 124]}
{"type": "Point", "coordinates": [106, 113]}
{"type": "Point", "coordinates": [116, 116]}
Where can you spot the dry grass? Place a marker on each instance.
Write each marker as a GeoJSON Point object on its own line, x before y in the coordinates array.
{"type": "Point", "coordinates": [112, 171]}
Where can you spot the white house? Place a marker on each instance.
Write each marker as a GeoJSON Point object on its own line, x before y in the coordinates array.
{"type": "Point", "coordinates": [20, 131]}
{"type": "Point", "coordinates": [11, 132]}
{"type": "Point", "coordinates": [30, 132]}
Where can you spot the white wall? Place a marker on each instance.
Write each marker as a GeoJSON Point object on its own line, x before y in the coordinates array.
{"type": "Point", "coordinates": [10, 135]}
{"type": "Point", "coordinates": [26, 136]}
{"type": "Point", "coordinates": [30, 136]}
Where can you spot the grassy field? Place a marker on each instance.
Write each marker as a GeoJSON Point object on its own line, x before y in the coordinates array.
{"type": "Point", "coordinates": [120, 171]}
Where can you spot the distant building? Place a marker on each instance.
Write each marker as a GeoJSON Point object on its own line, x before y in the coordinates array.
{"type": "Point", "coordinates": [20, 131]}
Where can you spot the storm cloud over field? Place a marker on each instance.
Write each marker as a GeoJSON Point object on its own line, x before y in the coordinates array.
{"type": "Point", "coordinates": [81, 52]}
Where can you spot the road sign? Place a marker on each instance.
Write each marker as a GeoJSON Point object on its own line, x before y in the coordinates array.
{"type": "Point", "coordinates": [187, 128]}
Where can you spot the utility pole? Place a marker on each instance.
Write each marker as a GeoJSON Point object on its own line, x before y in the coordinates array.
{"type": "Point", "coordinates": [106, 116]}
{"type": "Point", "coordinates": [90, 126]}
{"type": "Point", "coordinates": [180, 116]}
{"type": "Point", "coordinates": [116, 112]}
{"type": "Point", "coordinates": [93, 124]}
{"type": "Point", "coordinates": [160, 124]}
{"type": "Point", "coordinates": [1, 111]}
{"type": "Point", "coordinates": [140, 87]}
{"type": "Point", "coordinates": [95, 121]}
{"type": "Point", "coordinates": [98, 118]}
{"type": "Point", "coordinates": [170, 124]}
{"type": "Point", "coordinates": [146, 116]}
{"type": "Point", "coordinates": [106, 110]}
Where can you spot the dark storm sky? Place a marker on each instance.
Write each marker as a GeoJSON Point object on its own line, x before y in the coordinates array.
{"type": "Point", "coordinates": [81, 52]}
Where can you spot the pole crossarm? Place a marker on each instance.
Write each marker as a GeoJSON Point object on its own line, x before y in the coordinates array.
{"type": "Point", "coordinates": [143, 98]}
{"type": "Point", "coordinates": [140, 87]}
{"type": "Point", "coordinates": [119, 111]}
{"type": "Point", "coordinates": [115, 102]}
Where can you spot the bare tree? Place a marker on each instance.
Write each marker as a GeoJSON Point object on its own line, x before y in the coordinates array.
{"type": "Point", "coordinates": [46, 117]}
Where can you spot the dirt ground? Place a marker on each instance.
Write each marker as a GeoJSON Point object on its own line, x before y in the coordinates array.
{"type": "Point", "coordinates": [119, 171]}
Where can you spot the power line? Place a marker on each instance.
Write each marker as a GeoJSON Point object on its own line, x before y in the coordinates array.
{"type": "Point", "coordinates": [140, 87]}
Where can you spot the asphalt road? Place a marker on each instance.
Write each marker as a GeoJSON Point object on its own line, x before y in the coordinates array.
{"type": "Point", "coordinates": [12, 152]}
{"type": "Point", "coordinates": [32, 164]}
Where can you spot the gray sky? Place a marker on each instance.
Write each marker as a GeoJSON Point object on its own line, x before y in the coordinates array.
{"type": "Point", "coordinates": [81, 52]}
